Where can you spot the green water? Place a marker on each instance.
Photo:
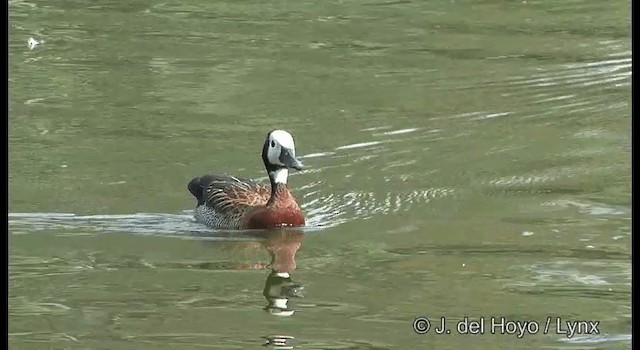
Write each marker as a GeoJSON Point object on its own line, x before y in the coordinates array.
{"type": "Point", "coordinates": [466, 158]}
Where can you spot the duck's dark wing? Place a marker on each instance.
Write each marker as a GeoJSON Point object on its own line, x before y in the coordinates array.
{"type": "Point", "coordinates": [223, 192]}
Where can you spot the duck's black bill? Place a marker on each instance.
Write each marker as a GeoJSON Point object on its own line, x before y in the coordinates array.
{"type": "Point", "coordinates": [289, 160]}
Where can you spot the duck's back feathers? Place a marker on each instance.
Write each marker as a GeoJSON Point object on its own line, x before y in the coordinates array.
{"type": "Point", "coordinates": [223, 192]}
{"type": "Point", "coordinates": [226, 197]}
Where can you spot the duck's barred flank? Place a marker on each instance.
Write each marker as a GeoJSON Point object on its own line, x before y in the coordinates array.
{"type": "Point", "coordinates": [208, 216]}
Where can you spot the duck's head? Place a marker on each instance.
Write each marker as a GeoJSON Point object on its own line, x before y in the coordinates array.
{"type": "Point", "coordinates": [279, 155]}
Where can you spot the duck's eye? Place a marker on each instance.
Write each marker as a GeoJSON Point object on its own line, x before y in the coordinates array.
{"type": "Point", "coordinates": [273, 144]}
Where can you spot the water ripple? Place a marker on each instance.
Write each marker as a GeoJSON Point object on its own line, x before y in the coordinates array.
{"type": "Point", "coordinates": [333, 209]}
{"type": "Point", "coordinates": [139, 223]}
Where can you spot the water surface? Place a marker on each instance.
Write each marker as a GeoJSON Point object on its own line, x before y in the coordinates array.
{"type": "Point", "coordinates": [466, 158]}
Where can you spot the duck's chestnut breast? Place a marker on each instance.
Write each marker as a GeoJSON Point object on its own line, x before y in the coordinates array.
{"type": "Point", "coordinates": [282, 210]}
{"type": "Point", "coordinates": [268, 218]}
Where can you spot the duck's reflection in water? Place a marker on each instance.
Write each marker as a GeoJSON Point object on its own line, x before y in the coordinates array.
{"type": "Point", "coordinates": [279, 286]}
{"type": "Point", "coordinates": [278, 342]}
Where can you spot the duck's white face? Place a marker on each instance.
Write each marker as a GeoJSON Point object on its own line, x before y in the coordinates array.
{"type": "Point", "coordinates": [281, 151]}
{"type": "Point", "coordinates": [279, 139]}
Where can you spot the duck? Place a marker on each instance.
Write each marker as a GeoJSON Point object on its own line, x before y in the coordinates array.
{"type": "Point", "coordinates": [232, 203]}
